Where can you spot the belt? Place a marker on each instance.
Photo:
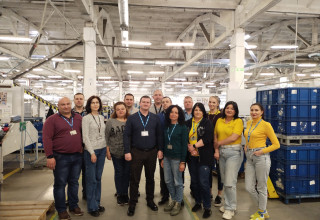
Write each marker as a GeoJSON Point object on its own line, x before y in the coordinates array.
{"type": "Point", "coordinates": [231, 146]}
{"type": "Point", "coordinates": [145, 149]}
{"type": "Point", "coordinates": [255, 149]}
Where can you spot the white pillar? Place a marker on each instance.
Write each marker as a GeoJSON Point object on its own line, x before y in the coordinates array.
{"type": "Point", "coordinates": [89, 69]}
{"type": "Point", "coordinates": [237, 60]}
{"type": "Point", "coordinates": [163, 88]}
{"type": "Point", "coordinates": [120, 91]}
{"type": "Point", "coordinates": [74, 87]}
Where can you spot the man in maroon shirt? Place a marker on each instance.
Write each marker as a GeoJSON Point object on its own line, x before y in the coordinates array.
{"type": "Point", "coordinates": [63, 147]}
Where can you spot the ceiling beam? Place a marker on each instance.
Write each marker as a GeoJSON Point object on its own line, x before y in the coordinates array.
{"type": "Point", "coordinates": [265, 54]}
{"type": "Point", "coordinates": [205, 32]}
{"type": "Point", "coordinates": [307, 43]}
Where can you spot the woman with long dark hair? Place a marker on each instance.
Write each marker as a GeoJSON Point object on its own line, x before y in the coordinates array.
{"type": "Point", "coordinates": [258, 158]}
{"type": "Point", "coordinates": [200, 157]}
{"type": "Point", "coordinates": [93, 134]}
{"type": "Point", "coordinates": [229, 152]}
{"type": "Point", "coordinates": [174, 152]}
{"type": "Point", "coordinates": [115, 150]}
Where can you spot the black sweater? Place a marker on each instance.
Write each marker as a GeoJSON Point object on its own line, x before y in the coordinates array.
{"type": "Point", "coordinates": [204, 132]}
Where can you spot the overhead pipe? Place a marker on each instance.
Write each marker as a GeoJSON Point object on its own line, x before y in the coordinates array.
{"type": "Point", "coordinates": [123, 6]}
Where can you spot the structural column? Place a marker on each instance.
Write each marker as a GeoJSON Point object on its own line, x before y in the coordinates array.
{"type": "Point", "coordinates": [120, 90]}
{"type": "Point", "coordinates": [89, 74]}
{"type": "Point", "coordinates": [237, 60]}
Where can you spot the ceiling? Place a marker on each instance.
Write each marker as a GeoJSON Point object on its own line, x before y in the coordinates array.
{"type": "Point", "coordinates": [56, 28]}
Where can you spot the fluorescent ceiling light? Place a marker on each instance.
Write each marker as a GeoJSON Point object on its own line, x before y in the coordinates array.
{"type": "Point", "coordinates": [72, 71]}
{"type": "Point", "coordinates": [284, 47]}
{"type": "Point", "coordinates": [50, 88]}
{"type": "Point", "coordinates": [37, 70]}
{"type": "Point", "coordinates": [199, 86]}
{"type": "Point", "coordinates": [211, 86]}
{"type": "Point", "coordinates": [4, 58]}
{"type": "Point", "coordinates": [156, 72]}
{"type": "Point", "coordinates": [246, 37]}
{"type": "Point", "coordinates": [57, 59]}
{"type": "Point", "coordinates": [208, 83]}
{"type": "Point", "coordinates": [4, 75]}
{"type": "Point", "coordinates": [170, 90]}
{"type": "Point", "coordinates": [54, 77]}
{"type": "Point", "coordinates": [104, 77]}
{"type": "Point", "coordinates": [134, 61]}
{"type": "Point", "coordinates": [60, 88]}
{"type": "Point", "coordinates": [11, 38]}
{"type": "Point", "coordinates": [134, 72]}
{"type": "Point", "coordinates": [259, 84]}
{"type": "Point", "coordinates": [143, 89]}
{"type": "Point", "coordinates": [266, 74]}
{"type": "Point", "coordinates": [80, 77]}
{"type": "Point", "coordinates": [223, 83]}
{"type": "Point", "coordinates": [33, 76]}
{"type": "Point", "coordinates": [251, 47]}
{"type": "Point", "coordinates": [315, 75]}
{"type": "Point", "coordinates": [187, 83]}
{"type": "Point", "coordinates": [134, 82]}
{"type": "Point", "coordinates": [191, 73]}
{"type": "Point", "coordinates": [180, 44]}
{"type": "Point", "coordinates": [99, 84]}
{"type": "Point", "coordinates": [159, 62]}
{"type": "Point", "coordinates": [109, 82]}
{"type": "Point", "coordinates": [152, 78]}
{"type": "Point", "coordinates": [133, 85]}
{"type": "Point", "coordinates": [247, 74]}
{"type": "Point", "coordinates": [39, 86]}
{"type": "Point", "coordinates": [172, 83]}
{"type": "Point", "coordinates": [301, 74]}
{"type": "Point", "coordinates": [307, 64]}
{"type": "Point", "coordinates": [70, 87]}
{"type": "Point", "coordinates": [184, 90]}
{"type": "Point", "coordinates": [48, 80]}
{"type": "Point", "coordinates": [180, 79]}
{"type": "Point", "coordinates": [245, 80]}
{"type": "Point", "coordinates": [141, 43]}
{"type": "Point", "coordinates": [67, 80]}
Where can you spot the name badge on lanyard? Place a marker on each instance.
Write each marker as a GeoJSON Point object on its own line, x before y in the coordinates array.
{"type": "Point", "coordinates": [169, 146]}
{"type": "Point", "coordinates": [73, 132]}
{"type": "Point", "coordinates": [144, 133]}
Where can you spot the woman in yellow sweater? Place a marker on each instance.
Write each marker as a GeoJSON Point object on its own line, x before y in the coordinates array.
{"type": "Point", "coordinates": [258, 158]}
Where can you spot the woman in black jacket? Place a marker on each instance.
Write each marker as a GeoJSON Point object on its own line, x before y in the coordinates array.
{"type": "Point", "coordinates": [200, 157]}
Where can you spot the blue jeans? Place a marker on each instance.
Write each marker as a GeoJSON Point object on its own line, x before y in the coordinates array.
{"type": "Point", "coordinates": [230, 161]}
{"type": "Point", "coordinates": [200, 184]}
{"type": "Point", "coordinates": [173, 178]}
{"type": "Point", "coordinates": [67, 171]}
{"type": "Point", "coordinates": [93, 178]}
{"type": "Point", "coordinates": [121, 175]}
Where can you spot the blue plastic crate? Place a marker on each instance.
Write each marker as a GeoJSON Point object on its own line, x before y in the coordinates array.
{"type": "Point", "coordinates": [296, 186]}
{"type": "Point", "coordinates": [271, 111]}
{"type": "Point", "coordinates": [264, 97]}
{"type": "Point", "coordinates": [299, 95]}
{"type": "Point", "coordinates": [296, 169]}
{"type": "Point", "coordinates": [304, 153]}
{"type": "Point", "coordinates": [296, 127]}
{"type": "Point", "coordinates": [259, 97]}
{"type": "Point", "coordinates": [273, 96]}
{"type": "Point", "coordinates": [297, 111]}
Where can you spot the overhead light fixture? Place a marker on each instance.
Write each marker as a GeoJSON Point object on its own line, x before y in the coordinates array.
{"type": "Point", "coordinates": [72, 71]}
{"type": "Point", "coordinates": [223, 83]}
{"type": "Point", "coordinates": [134, 82]}
{"type": "Point", "coordinates": [172, 83]}
{"type": "Point", "coordinates": [180, 79]}
{"type": "Point", "coordinates": [48, 80]}
{"type": "Point", "coordinates": [50, 88]}
{"type": "Point", "coordinates": [4, 58]}
{"type": "Point", "coordinates": [54, 77]}
{"type": "Point", "coordinates": [98, 84]}
{"type": "Point", "coordinates": [149, 82]}
{"type": "Point", "coordinates": [159, 62]}
{"type": "Point", "coordinates": [245, 80]}
{"type": "Point", "coordinates": [156, 72]}
{"type": "Point", "coordinates": [284, 47]}
{"type": "Point", "coordinates": [38, 86]}
{"type": "Point", "coordinates": [104, 77]}
{"type": "Point", "coordinates": [141, 43]}
{"type": "Point", "coordinates": [11, 38]}
{"type": "Point", "coordinates": [187, 83]}
{"type": "Point", "coordinates": [134, 72]}
{"type": "Point", "coordinates": [33, 76]}
{"type": "Point", "coordinates": [307, 64]}
{"type": "Point", "coordinates": [251, 47]}
{"type": "Point", "coordinates": [170, 90]}
{"type": "Point", "coordinates": [180, 44]}
{"type": "Point", "coordinates": [211, 86]}
{"type": "Point", "coordinates": [247, 74]}
{"type": "Point", "coordinates": [70, 87]}
{"type": "Point", "coordinates": [80, 77]}
{"type": "Point", "coordinates": [301, 74]}
{"type": "Point", "coordinates": [152, 78]}
{"type": "Point", "coordinates": [59, 88]}
{"type": "Point", "coordinates": [109, 82]}
{"type": "Point", "coordinates": [246, 37]}
{"type": "Point", "coordinates": [259, 84]}
{"type": "Point", "coordinates": [143, 89]}
{"type": "Point", "coordinates": [191, 73]}
{"type": "Point", "coordinates": [199, 86]}
{"type": "Point", "coordinates": [266, 74]}
{"type": "Point", "coordinates": [57, 59]}
{"type": "Point", "coordinates": [134, 61]}
{"type": "Point", "coordinates": [315, 75]}
{"type": "Point", "coordinates": [67, 80]}
{"type": "Point", "coordinates": [37, 70]}
{"type": "Point", "coordinates": [209, 83]}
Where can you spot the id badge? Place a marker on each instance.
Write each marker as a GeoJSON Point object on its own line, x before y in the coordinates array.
{"type": "Point", "coordinates": [144, 133]}
{"type": "Point", "coordinates": [73, 132]}
{"type": "Point", "coordinates": [99, 137]}
{"type": "Point", "coordinates": [193, 138]}
{"type": "Point", "coordinates": [169, 146]}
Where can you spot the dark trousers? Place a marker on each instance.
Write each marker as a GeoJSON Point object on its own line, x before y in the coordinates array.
{"type": "Point", "coordinates": [141, 159]}
{"type": "Point", "coordinates": [121, 175]}
{"type": "Point", "coordinates": [163, 186]}
{"type": "Point", "coordinates": [67, 171]}
{"type": "Point", "coordinates": [83, 171]}
{"type": "Point", "coordinates": [220, 184]}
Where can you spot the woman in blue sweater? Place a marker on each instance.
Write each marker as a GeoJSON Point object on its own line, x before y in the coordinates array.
{"type": "Point", "coordinates": [175, 151]}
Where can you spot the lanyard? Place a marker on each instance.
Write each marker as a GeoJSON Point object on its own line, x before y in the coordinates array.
{"type": "Point", "coordinates": [144, 125]}
{"type": "Point", "coordinates": [155, 108]}
{"type": "Point", "coordinates": [99, 125]}
{"type": "Point", "coordinates": [71, 125]}
{"type": "Point", "coordinates": [249, 133]}
{"type": "Point", "coordinates": [195, 126]}
{"type": "Point", "coordinates": [169, 136]}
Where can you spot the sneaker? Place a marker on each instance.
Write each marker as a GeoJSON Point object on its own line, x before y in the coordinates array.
{"type": "Point", "coordinates": [126, 199]}
{"type": "Point", "coordinates": [257, 215]}
{"type": "Point", "coordinates": [101, 208]}
{"type": "Point", "coordinates": [64, 216]}
{"type": "Point", "coordinates": [120, 200]}
{"type": "Point", "coordinates": [228, 214]}
{"type": "Point", "coordinates": [76, 211]}
{"type": "Point", "coordinates": [169, 206]}
{"type": "Point", "coordinates": [207, 213]}
{"type": "Point", "coordinates": [196, 207]}
{"type": "Point", "coordinates": [95, 213]}
{"type": "Point", "coordinates": [222, 209]}
{"type": "Point", "coordinates": [176, 209]}
{"type": "Point", "coordinates": [217, 201]}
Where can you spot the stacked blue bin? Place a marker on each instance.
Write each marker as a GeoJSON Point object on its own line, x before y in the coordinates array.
{"type": "Point", "coordinates": [38, 124]}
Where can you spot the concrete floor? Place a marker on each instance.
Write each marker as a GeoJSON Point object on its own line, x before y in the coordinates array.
{"type": "Point", "coordinates": [37, 184]}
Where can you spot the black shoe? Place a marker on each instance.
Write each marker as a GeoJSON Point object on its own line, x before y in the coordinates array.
{"type": "Point", "coordinates": [126, 199]}
{"type": "Point", "coordinates": [152, 206]}
{"type": "Point", "coordinates": [196, 207]}
{"type": "Point", "coordinates": [95, 213]}
{"type": "Point", "coordinates": [101, 209]}
{"type": "Point", "coordinates": [84, 197]}
{"type": "Point", "coordinates": [131, 210]}
{"type": "Point", "coordinates": [138, 194]}
{"type": "Point", "coordinates": [191, 193]}
{"type": "Point", "coordinates": [115, 195]}
{"type": "Point", "coordinates": [120, 200]}
{"type": "Point", "coordinates": [217, 201]}
{"type": "Point", "coordinates": [163, 201]}
{"type": "Point", "coordinates": [182, 203]}
{"type": "Point", "coordinates": [207, 213]}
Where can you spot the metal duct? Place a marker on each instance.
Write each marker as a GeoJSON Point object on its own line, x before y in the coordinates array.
{"type": "Point", "coordinates": [124, 19]}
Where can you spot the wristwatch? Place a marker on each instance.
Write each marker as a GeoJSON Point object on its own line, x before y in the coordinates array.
{"type": "Point", "coordinates": [50, 156]}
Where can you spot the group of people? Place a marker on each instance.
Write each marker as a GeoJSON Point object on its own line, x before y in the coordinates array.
{"type": "Point", "coordinates": [133, 139]}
